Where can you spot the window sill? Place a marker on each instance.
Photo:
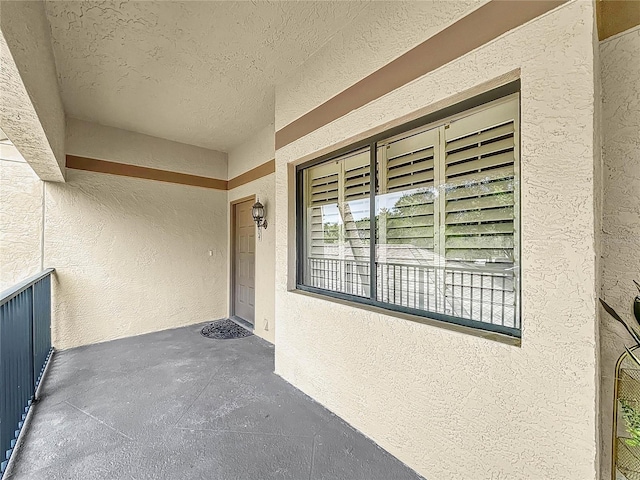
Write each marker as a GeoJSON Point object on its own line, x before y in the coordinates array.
{"type": "Point", "coordinates": [476, 332]}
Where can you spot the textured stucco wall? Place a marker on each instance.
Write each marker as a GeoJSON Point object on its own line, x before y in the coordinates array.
{"type": "Point", "coordinates": [116, 145]}
{"type": "Point", "coordinates": [451, 405]}
{"type": "Point", "coordinates": [620, 73]}
{"type": "Point", "coordinates": [31, 110]}
{"type": "Point", "coordinates": [253, 152]}
{"type": "Point", "coordinates": [21, 194]}
{"type": "Point", "coordinates": [257, 150]}
{"type": "Point", "coordinates": [195, 72]}
{"type": "Point", "coordinates": [132, 256]}
{"type": "Point", "coordinates": [381, 33]}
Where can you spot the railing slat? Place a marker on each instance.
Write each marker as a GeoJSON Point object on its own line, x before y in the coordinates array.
{"type": "Point", "coordinates": [483, 294]}
{"type": "Point", "coordinates": [8, 294]}
{"type": "Point", "coordinates": [25, 348]}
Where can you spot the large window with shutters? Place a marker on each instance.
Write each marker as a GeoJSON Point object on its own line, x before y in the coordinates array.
{"type": "Point", "coordinates": [422, 220]}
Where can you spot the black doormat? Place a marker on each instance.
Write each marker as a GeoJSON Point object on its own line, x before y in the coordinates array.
{"type": "Point", "coordinates": [224, 329]}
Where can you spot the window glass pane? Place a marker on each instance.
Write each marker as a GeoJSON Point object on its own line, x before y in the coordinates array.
{"type": "Point", "coordinates": [446, 220]}
{"type": "Point", "coordinates": [480, 220]}
{"type": "Point", "coordinates": [447, 225]}
{"type": "Point", "coordinates": [336, 216]}
{"type": "Point", "coordinates": [406, 198]}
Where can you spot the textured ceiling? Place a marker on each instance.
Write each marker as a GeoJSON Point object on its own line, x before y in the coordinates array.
{"type": "Point", "coordinates": [201, 73]}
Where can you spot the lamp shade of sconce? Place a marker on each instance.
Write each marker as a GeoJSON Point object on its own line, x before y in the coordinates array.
{"type": "Point", "coordinates": [258, 212]}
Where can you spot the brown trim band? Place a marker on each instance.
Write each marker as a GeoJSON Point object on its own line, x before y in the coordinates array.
{"type": "Point", "coordinates": [135, 171]}
{"type": "Point", "coordinates": [470, 32]}
{"type": "Point", "coordinates": [616, 16]}
{"type": "Point", "coordinates": [253, 174]}
{"type": "Point", "coordinates": [102, 166]}
{"type": "Point", "coordinates": [440, 105]}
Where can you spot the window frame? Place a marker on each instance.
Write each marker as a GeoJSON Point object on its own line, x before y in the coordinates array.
{"type": "Point", "coordinates": [429, 121]}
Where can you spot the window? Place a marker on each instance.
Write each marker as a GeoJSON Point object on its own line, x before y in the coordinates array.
{"type": "Point", "coordinates": [423, 221]}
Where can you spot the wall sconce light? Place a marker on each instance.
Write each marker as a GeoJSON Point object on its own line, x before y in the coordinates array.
{"type": "Point", "coordinates": [258, 213]}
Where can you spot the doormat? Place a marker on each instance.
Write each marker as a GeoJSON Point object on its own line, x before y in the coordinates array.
{"type": "Point", "coordinates": [224, 329]}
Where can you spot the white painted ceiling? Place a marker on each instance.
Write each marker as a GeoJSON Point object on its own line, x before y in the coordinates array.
{"type": "Point", "coordinates": [201, 73]}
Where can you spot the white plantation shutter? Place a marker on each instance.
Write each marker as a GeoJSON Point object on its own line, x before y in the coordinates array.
{"type": "Point", "coordinates": [479, 176]}
{"type": "Point", "coordinates": [338, 226]}
{"type": "Point", "coordinates": [407, 166]}
{"type": "Point", "coordinates": [405, 243]}
{"type": "Point", "coordinates": [357, 176]}
{"type": "Point", "coordinates": [409, 162]}
{"type": "Point", "coordinates": [447, 218]}
{"type": "Point", "coordinates": [479, 223]}
{"type": "Point", "coordinates": [336, 193]}
{"type": "Point", "coordinates": [355, 206]}
{"type": "Point", "coordinates": [323, 182]}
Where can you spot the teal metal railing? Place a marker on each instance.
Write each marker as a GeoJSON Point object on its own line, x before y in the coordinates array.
{"type": "Point", "coordinates": [25, 349]}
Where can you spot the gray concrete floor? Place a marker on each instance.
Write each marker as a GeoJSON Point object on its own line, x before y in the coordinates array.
{"type": "Point", "coordinates": [176, 405]}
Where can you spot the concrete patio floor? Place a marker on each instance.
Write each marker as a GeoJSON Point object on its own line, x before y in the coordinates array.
{"type": "Point", "coordinates": [175, 405]}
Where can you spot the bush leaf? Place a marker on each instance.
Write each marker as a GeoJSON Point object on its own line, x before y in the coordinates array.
{"type": "Point", "coordinates": [614, 314]}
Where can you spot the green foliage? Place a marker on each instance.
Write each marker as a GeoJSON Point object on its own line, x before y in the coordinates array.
{"type": "Point", "coordinates": [411, 210]}
{"type": "Point", "coordinates": [631, 415]}
{"type": "Point", "coordinates": [630, 408]}
{"type": "Point", "coordinates": [331, 232]}
{"type": "Point", "coordinates": [634, 329]}
{"type": "Point", "coordinates": [407, 207]}
{"type": "Point", "coordinates": [411, 204]}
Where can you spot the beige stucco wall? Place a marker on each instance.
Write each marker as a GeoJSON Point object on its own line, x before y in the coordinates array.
{"type": "Point", "coordinates": [382, 32]}
{"type": "Point", "coordinates": [620, 72]}
{"type": "Point", "coordinates": [21, 196]}
{"type": "Point", "coordinates": [133, 255]}
{"type": "Point", "coordinates": [453, 405]}
{"type": "Point", "coordinates": [258, 149]}
{"type": "Point", "coordinates": [87, 139]}
{"type": "Point", "coordinates": [31, 111]}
